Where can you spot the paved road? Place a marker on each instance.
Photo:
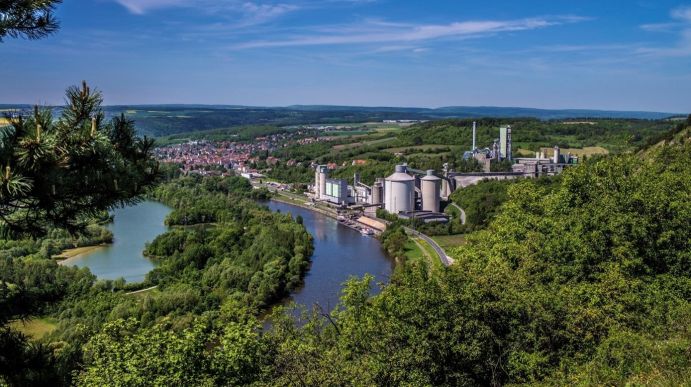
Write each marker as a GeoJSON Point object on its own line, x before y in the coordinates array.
{"type": "Point", "coordinates": [445, 260]}
{"type": "Point", "coordinates": [462, 212]}
{"type": "Point", "coordinates": [143, 290]}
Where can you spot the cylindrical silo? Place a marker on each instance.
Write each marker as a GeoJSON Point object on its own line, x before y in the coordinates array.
{"type": "Point", "coordinates": [322, 180]}
{"type": "Point", "coordinates": [317, 182]}
{"type": "Point", "coordinates": [556, 154]}
{"type": "Point", "coordinates": [377, 189]}
{"type": "Point", "coordinates": [399, 191]}
{"type": "Point", "coordinates": [430, 187]}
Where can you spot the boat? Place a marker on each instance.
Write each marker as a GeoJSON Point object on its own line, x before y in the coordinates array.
{"type": "Point", "coordinates": [367, 231]}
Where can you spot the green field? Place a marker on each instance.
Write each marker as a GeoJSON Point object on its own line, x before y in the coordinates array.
{"type": "Point", "coordinates": [424, 147]}
{"type": "Point", "coordinates": [413, 252]}
{"type": "Point", "coordinates": [449, 241]}
{"type": "Point", "coordinates": [580, 152]}
{"type": "Point", "coordinates": [35, 328]}
{"type": "Point", "coordinates": [362, 143]}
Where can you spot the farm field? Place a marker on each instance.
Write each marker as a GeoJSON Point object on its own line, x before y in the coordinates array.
{"type": "Point", "coordinates": [362, 143]}
{"type": "Point", "coordinates": [586, 151]}
{"type": "Point", "coordinates": [422, 148]}
{"type": "Point", "coordinates": [35, 328]}
{"type": "Point", "coordinates": [580, 152]}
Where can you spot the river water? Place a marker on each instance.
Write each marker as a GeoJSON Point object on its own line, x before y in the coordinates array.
{"type": "Point", "coordinates": [339, 252]}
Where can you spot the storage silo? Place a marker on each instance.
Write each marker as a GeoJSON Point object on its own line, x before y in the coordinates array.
{"type": "Point", "coordinates": [430, 187]}
{"type": "Point", "coordinates": [317, 182]}
{"type": "Point", "coordinates": [557, 153]}
{"type": "Point", "coordinates": [377, 189]}
{"type": "Point", "coordinates": [323, 171]}
{"type": "Point", "coordinates": [399, 191]}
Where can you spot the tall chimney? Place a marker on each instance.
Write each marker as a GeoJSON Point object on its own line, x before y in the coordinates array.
{"type": "Point", "coordinates": [474, 134]}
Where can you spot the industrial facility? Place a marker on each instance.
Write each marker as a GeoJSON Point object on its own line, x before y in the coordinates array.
{"type": "Point", "coordinates": [407, 192]}
{"type": "Point", "coordinates": [411, 193]}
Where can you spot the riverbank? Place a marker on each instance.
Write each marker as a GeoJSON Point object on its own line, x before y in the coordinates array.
{"type": "Point", "coordinates": [353, 224]}
{"type": "Point", "coordinates": [68, 255]}
{"type": "Point", "coordinates": [287, 200]}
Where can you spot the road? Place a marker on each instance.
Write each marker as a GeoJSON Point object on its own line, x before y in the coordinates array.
{"type": "Point", "coordinates": [142, 291]}
{"type": "Point", "coordinates": [445, 259]}
{"type": "Point", "coordinates": [462, 212]}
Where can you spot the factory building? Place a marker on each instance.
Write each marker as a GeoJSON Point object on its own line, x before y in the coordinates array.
{"type": "Point", "coordinates": [399, 191]}
{"type": "Point", "coordinates": [431, 192]}
{"type": "Point", "coordinates": [331, 190]}
{"type": "Point", "coordinates": [336, 191]}
{"type": "Point", "coordinates": [541, 165]}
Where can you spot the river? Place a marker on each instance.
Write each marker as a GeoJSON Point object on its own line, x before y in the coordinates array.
{"type": "Point", "coordinates": [339, 252]}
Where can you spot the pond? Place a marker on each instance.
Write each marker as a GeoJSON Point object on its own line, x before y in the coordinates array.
{"type": "Point", "coordinates": [132, 228]}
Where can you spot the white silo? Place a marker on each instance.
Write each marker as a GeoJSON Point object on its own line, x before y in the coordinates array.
{"type": "Point", "coordinates": [317, 183]}
{"type": "Point", "coordinates": [323, 170]}
{"type": "Point", "coordinates": [430, 187]}
{"type": "Point", "coordinates": [557, 153]}
{"type": "Point", "coordinates": [377, 189]}
{"type": "Point", "coordinates": [399, 191]}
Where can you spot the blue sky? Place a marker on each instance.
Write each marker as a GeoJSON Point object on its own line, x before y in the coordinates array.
{"type": "Point", "coordinates": [605, 54]}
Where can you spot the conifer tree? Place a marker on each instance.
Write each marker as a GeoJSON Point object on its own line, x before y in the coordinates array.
{"type": "Point", "coordinates": [31, 19]}
{"type": "Point", "coordinates": [60, 172]}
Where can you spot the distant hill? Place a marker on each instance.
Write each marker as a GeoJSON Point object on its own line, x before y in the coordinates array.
{"type": "Point", "coordinates": [161, 120]}
{"type": "Point", "coordinates": [494, 111]}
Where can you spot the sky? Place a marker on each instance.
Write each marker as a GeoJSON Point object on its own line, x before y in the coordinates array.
{"type": "Point", "coordinates": [604, 54]}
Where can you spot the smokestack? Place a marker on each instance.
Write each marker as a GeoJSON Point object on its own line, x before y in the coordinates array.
{"type": "Point", "coordinates": [508, 143]}
{"type": "Point", "coordinates": [474, 134]}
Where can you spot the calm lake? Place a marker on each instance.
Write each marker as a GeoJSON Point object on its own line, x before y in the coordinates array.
{"type": "Point", "coordinates": [339, 252]}
{"type": "Point", "coordinates": [133, 227]}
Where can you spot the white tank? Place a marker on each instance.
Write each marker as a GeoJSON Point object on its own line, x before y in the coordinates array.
{"type": "Point", "coordinates": [556, 154]}
{"type": "Point", "coordinates": [430, 187]}
{"type": "Point", "coordinates": [377, 189]}
{"type": "Point", "coordinates": [322, 180]}
{"type": "Point", "coordinates": [399, 191]}
{"type": "Point", "coordinates": [317, 183]}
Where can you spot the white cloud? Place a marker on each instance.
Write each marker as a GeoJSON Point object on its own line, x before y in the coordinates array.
{"type": "Point", "coordinates": [259, 13]}
{"type": "Point", "coordinates": [382, 32]}
{"type": "Point", "coordinates": [140, 7]}
{"type": "Point", "coordinates": [681, 26]}
{"type": "Point", "coordinates": [252, 12]}
{"type": "Point", "coordinates": [682, 13]}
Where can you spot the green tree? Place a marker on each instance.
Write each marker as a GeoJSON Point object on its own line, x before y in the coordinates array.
{"type": "Point", "coordinates": [60, 172]}
{"type": "Point", "coordinates": [32, 19]}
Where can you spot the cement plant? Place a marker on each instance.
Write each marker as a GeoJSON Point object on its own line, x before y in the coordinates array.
{"type": "Point", "coordinates": [421, 194]}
